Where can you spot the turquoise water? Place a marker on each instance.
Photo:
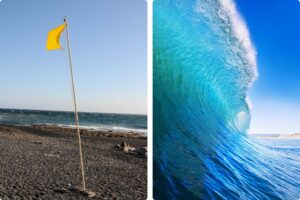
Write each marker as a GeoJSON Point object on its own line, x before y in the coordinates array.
{"type": "Point", "coordinates": [204, 66]}
{"type": "Point", "coordinates": [97, 121]}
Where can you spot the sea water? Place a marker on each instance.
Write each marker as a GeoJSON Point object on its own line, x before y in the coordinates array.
{"type": "Point", "coordinates": [204, 66]}
{"type": "Point", "coordinates": [87, 120]}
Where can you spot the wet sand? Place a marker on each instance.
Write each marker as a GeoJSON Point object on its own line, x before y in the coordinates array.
{"type": "Point", "coordinates": [42, 162]}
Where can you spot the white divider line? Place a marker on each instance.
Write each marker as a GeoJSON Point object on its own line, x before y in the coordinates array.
{"type": "Point", "coordinates": [150, 97]}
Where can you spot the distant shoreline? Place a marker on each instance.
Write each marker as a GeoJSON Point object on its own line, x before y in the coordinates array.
{"type": "Point", "coordinates": [277, 136]}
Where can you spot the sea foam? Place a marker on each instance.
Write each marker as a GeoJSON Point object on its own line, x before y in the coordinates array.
{"type": "Point", "coordinates": [240, 31]}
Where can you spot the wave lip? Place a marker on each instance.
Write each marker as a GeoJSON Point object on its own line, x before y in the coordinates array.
{"type": "Point", "coordinates": [241, 32]}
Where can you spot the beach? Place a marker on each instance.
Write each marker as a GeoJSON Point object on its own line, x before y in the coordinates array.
{"type": "Point", "coordinates": [42, 162]}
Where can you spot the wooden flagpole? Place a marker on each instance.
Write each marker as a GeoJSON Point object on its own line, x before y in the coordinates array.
{"type": "Point", "coordinates": [75, 106]}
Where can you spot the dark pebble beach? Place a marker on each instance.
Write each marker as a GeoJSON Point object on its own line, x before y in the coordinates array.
{"type": "Point", "coordinates": [42, 162]}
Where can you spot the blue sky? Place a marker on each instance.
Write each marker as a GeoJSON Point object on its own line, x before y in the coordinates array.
{"type": "Point", "coordinates": [109, 44]}
{"type": "Point", "coordinates": [275, 31]}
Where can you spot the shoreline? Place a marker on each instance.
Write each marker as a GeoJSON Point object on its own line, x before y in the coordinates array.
{"type": "Point", "coordinates": [42, 162]}
{"type": "Point", "coordinates": [104, 122]}
{"type": "Point", "coordinates": [85, 131]}
{"type": "Point", "coordinates": [277, 136]}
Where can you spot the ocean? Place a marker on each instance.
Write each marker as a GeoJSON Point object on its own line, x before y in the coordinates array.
{"type": "Point", "coordinates": [204, 65]}
{"type": "Point", "coordinates": [290, 147]}
{"type": "Point", "coordinates": [87, 120]}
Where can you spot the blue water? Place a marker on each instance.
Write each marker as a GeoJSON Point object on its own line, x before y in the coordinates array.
{"type": "Point", "coordinates": [97, 121]}
{"type": "Point", "coordinates": [204, 66]}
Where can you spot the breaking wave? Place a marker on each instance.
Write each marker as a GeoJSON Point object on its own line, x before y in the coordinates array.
{"type": "Point", "coordinates": [204, 66]}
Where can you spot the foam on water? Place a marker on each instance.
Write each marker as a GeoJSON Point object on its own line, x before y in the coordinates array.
{"type": "Point", "coordinates": [241, 32]}
{"type": "Point", "coordinates": [96, 121]}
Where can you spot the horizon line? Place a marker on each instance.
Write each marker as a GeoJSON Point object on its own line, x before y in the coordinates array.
{"type": "Point", "coordinates": [30, 109]}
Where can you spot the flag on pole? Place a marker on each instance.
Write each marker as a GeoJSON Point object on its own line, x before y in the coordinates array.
{"type": "Point", "coordinates": [53, 41]}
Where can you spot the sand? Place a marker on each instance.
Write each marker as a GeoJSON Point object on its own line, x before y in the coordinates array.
{"type": "Point", "coordinates": [42, 162]}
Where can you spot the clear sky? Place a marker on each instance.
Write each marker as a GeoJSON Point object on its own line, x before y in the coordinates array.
{"type": "Point", "coordinates": [275, 31]}
{"type": "Point", "coordinates": [109, 50]}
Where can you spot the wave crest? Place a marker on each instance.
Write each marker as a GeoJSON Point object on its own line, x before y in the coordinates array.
{"type": "Point", "coordinates": [241, 31]}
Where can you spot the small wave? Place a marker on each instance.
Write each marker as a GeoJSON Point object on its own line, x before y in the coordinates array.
{"type": "Point", "coordinates": [98, 128]}
{"type": "Point", "coordinates": [96, 121]}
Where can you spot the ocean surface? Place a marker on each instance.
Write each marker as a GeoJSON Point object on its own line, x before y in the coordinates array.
{"type": "Point", "coordinates": [204, 66]}
{"type": "Point", "coordinates": [97, 121]}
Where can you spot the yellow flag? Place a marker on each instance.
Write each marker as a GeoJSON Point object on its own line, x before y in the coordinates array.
{"type": "Point", "coordinates": [54, 37]}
